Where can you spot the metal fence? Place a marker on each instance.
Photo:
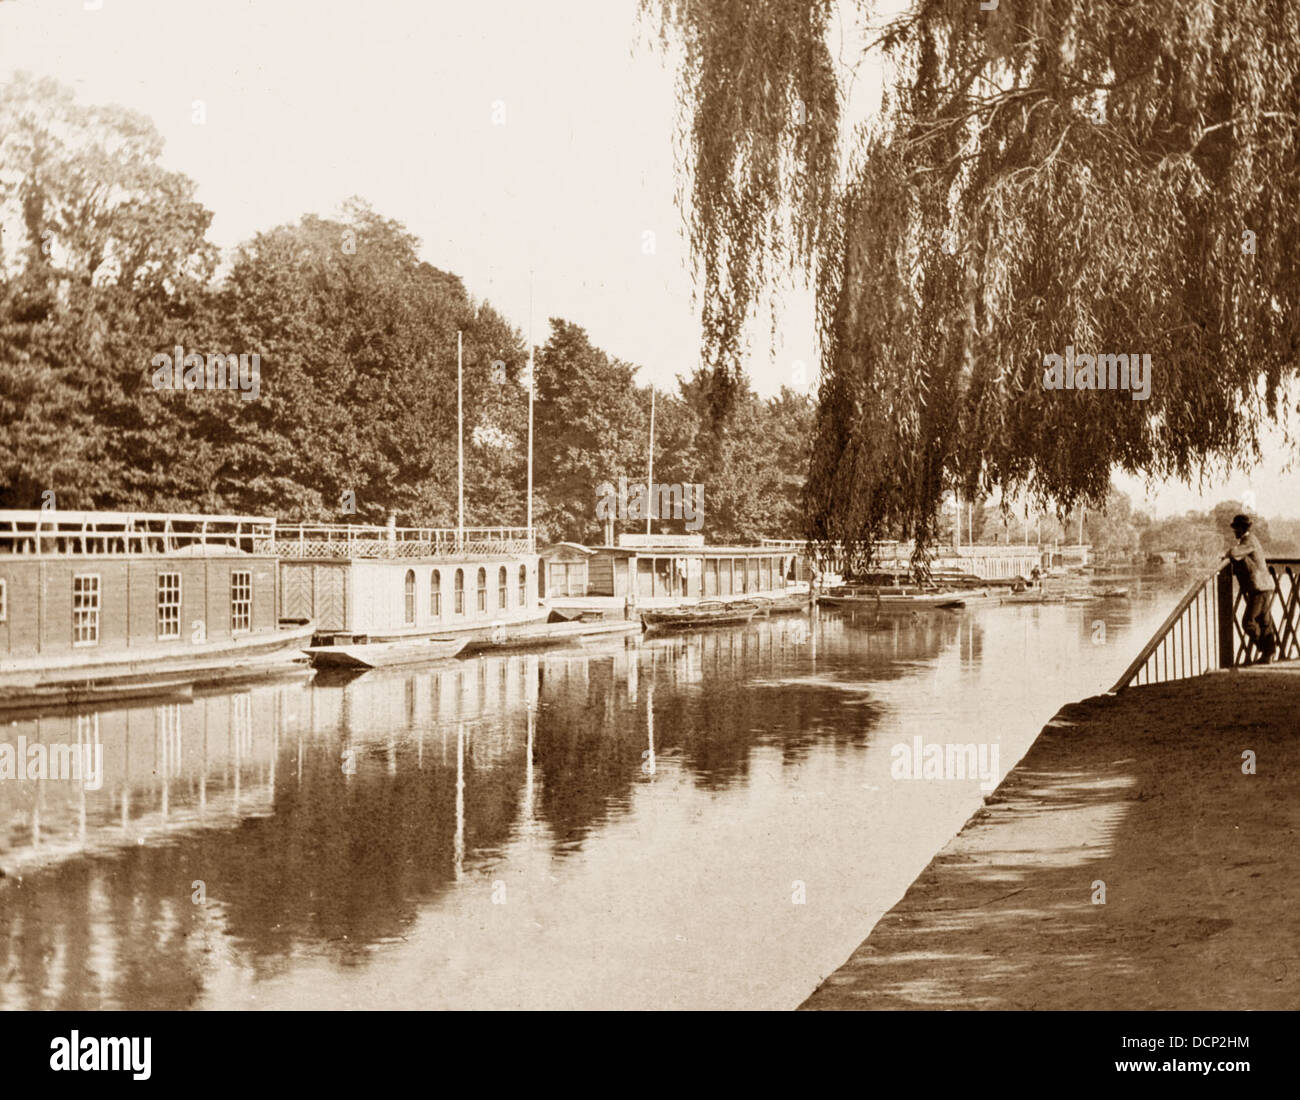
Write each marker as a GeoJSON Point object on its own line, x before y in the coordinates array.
{"type": "Point", "coordinates": [1204, 631]}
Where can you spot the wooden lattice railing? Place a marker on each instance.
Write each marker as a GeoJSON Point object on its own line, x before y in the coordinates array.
{"type": "Point", "coordinates": [322, 540]}
{"type": "Point", "coordinates": [1204, 631]}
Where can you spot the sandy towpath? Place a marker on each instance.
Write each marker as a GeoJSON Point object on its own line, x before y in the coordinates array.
{"type": "Point", "coordinates": [1144, 792]}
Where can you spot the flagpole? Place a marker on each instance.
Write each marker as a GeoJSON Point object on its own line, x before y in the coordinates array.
{"type": "Point", "coordinates": [532, 385]}
{"type": "Point", "coordinates": [650, 469]}
{"type": "Point", "coordinates": [460, 439]}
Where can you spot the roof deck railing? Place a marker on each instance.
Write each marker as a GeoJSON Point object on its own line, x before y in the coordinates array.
{"type": "Point", "coordinates": [1203, 632]}
{"type": "Point", "coordinates": [350, 540]}
{"type": "Point", "coordinates": [86, 533]}
{"type": "Point", "coordinates": [52, 531]}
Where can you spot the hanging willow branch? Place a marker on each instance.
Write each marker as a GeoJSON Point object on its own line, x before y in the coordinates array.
{"type": "Point", "coordinates": [759, 151]}
{"type": "Point", "coordinates": [1116, 178]}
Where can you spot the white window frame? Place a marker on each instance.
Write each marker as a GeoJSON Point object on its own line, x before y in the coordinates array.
{"type": "Point", "coordinates": [89, 610]}
{"type": "Point", "coordinates": [162, 617]}
{"type": "Point", "coordinates": [236, 603]}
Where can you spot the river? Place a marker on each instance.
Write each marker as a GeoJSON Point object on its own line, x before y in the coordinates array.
{"type": "Point", "coordinates": [709, 820]}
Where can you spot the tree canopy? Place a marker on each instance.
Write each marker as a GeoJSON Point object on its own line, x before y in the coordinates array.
{"type": "Point", "coordinates": [1116, 178]}
{"type": "Point", "coordinates": [105, 263]}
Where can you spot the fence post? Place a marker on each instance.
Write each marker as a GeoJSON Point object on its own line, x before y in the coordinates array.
{"type": "Point", "coordinates": [1226, 639]}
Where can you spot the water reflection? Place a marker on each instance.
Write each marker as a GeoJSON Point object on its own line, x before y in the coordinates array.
{"type": "Point", "coordinates": [260, 846]}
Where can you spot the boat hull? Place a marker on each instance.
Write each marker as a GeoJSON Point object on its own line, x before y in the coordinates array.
{"type": "Point", "coordinates": [695, 620]}
{"type": "Point", "coordinates": [384, 654]}
{"type": "Point", "coordinates": [902, 604]}
{"type": "Point", "coordinates": [540, 636]}
{"type": "Point", "coordinates": [30, 682]}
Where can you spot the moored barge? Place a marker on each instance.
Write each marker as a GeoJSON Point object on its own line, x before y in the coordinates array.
{"type": "Point", "coordinates": [111, 605]}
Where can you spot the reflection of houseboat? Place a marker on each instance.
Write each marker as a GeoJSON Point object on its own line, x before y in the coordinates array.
{"type": "Point", "coordinates": [116, 605]}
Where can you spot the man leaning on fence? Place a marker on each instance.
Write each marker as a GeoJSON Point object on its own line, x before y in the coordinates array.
{"type": "Point", "coordinates": [1250, 567]}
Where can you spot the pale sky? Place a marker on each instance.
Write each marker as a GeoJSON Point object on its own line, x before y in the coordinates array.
{"type": "Point", "coordinates": [307, 102]}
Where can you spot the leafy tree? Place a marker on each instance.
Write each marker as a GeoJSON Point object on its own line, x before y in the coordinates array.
{"type": "Point", "coordinates": [589, 428]}
{"type": "Point", "coordinates": [110, 262]}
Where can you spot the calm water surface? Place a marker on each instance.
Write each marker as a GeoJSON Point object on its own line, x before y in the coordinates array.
{"type": "Point", "coordinates": [701, 821]}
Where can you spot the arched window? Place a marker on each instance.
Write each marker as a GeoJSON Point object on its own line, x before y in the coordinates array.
{"type": "Point", "coordinates": [460, 592]}
{"type": "Point", "coordinates": [503, 589]}
{"type": "Point", "coordinates": [523, 586]}
{"type": "Point", "coordinates": [482, 589]}
{"type": "Point", "coordinates": [435, 594]}
{"type": "Point", "coordinates": [409, 618]}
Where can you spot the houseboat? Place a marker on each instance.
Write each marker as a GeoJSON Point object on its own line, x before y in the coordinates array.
{"type": "Point", "coordinates": [380, 584]}
{"type": "Point", "coordinates": [667, 570]}
{"type": "Point", "coordinates": [112, 605]}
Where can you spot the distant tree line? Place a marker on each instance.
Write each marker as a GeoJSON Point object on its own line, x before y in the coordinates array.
{"type": "Point", "coordinates": [105, 263]}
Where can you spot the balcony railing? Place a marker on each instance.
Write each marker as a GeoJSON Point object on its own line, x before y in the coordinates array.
{"type": "Point", "coordinates": [332, 541]}
{"type": "Point", "coordinates": [1204, 631]}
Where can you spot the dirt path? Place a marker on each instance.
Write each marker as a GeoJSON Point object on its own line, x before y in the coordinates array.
{"type": "Point", "coordinates": [1144, 792]}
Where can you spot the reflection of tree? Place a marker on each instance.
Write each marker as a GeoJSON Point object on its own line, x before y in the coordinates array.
{"type": "Point", "coordinates": [343, 861]}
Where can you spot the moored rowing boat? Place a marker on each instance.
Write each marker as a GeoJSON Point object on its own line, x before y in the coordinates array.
{"type": "Point", "coordinates": [385, 654]}
{"type": "Point", "coordinates": [710, 613]}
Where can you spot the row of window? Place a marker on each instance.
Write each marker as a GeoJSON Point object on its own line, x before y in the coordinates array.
{"type": "Point", "coordinates": [86, 605]}
{"type": "Point", "coordinates": [435, 592]}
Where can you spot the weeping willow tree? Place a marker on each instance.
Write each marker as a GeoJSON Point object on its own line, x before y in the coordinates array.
{"type": "Point", "coordinates": [1104, 176]}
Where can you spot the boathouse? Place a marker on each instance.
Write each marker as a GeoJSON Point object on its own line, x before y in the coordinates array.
{"type": "Point", "coordinates": [405, 581]}
{"type": "Point", "coordinates": [92, 584]}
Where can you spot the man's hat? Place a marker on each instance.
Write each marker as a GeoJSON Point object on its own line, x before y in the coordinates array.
{"type": "Point", "coordinates": [1240, 522]}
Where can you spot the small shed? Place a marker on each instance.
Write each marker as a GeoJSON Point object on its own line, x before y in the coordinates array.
{"type": "Point", "coordinates": [565, 569]}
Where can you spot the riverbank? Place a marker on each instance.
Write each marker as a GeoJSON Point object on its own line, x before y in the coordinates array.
{"type": "Point", "coordinates": [1142, 792]}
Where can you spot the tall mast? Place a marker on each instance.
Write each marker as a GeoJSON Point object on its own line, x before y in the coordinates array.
{"type": "Point", "coordinates": [650, 467]}
{"type": "Point", "coordinates": [532, 385]}
{"type": "Point", "coordinates": [460, 438]}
